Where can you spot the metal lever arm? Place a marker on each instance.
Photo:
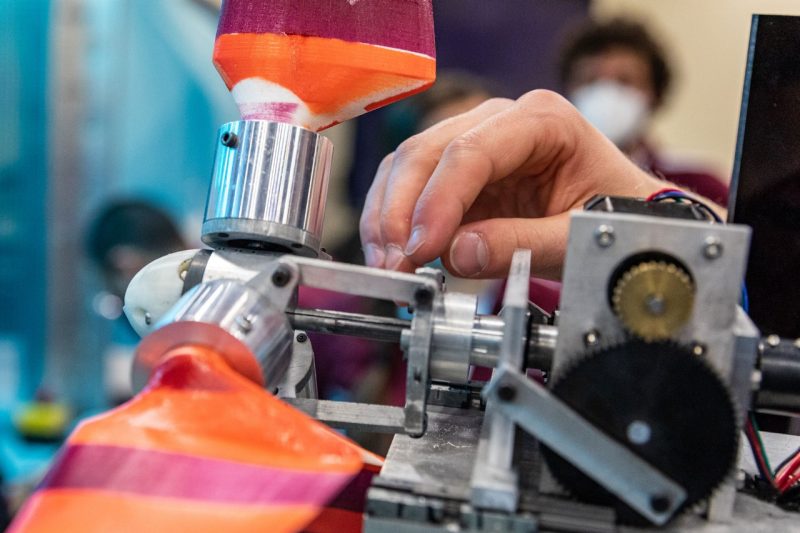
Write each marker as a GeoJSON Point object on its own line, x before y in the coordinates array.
{"type": "Point", "coordinates": [623, 473]}
{"type": "Point", "coordinates": [424, 292]}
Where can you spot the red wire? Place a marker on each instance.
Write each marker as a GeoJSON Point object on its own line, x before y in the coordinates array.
{"type": "Point", "coordinates": [788, 475]}
{"type": "Point", "coordinates": [663, 191]}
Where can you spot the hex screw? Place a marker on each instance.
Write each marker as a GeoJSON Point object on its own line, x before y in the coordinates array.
{"type": "Point", "coordinates": [712, 248]}
{"type": "Point", "coordinates": [591, 338]}
{"type": "Point", "coordinates": [660, 503]}
{"type": "Point", "coordinates": [244, 323]}
{"type": "Point", "coordinates": [773, 341]}
{"type": "Point", "coordinates": [604, 235]}
{"type": "Point", "coordinates": [423, 296]}
{"type": "Point", "coordinates": [506, 393]}
{"type": "Point", "coordinates": [281, 277]}
{"type": "Point", "coordinates": [229, 139]}
{"type": "Point", "coordinates": [301, 337]}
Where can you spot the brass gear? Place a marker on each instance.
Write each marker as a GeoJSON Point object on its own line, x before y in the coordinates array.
{"type": "Point", "coordinates": [653, 299]}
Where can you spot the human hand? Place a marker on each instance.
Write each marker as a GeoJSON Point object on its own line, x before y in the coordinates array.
{"type": "Point", "coordinates": [502, 176]}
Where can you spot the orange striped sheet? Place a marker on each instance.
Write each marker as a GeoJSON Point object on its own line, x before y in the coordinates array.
{"type": "Point", "coordinates": [201, 449]}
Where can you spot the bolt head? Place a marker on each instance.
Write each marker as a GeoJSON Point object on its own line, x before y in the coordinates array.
{"type": "Point", "coordinates": [229, 139]}
{"type": "Point", "coordinates": [712, 248]}
{"type": "Point", "coordinates": [773, 341]}
{"type": "Point", "coordinates": [591, 338]}
{"type": "Point", "coordinates": [301, 337]}
{"type": "Point", "coordinates": [244, 323]}
{"type": "Point", "coordinates": [506, 393]}
{"type": "Point", "coordinates": [423, 296]}
{"type": "Point", "coordinates": [660, 503]}
{"type": "Point", "coordinates": [604, 235]}
{"type": "Point", "coordinates": [698, 350]}
{"type": "Point", "coordinates": [281, 277]}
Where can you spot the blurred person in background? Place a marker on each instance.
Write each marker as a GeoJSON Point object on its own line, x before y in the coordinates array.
{"type": "Point", "coordinates": [618, 77]}
{"type": "Point", "coordinates": [122, 238]}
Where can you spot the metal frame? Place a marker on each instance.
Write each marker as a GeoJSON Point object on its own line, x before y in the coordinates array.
{"type": "Point", "coordinates": [494, 480]}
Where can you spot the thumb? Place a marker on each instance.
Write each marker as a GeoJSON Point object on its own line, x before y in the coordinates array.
{"type": "Point", "coordinates": [484, 249]}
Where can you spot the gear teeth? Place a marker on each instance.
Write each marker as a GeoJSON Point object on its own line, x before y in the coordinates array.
{"type": "Point", "coordinates": [704, 375]}
{"type": "Point", "coordinates": [638, 322]}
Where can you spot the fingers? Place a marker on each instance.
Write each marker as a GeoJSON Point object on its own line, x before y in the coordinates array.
{"type": "Point", "coordinates": [369, 224]}
{"type": "Point", "coordinates": [533, 141]}
{"type": "Point", "coordinates": [484, 249]}
{"type": "Point", "coordinates": [385, 223]}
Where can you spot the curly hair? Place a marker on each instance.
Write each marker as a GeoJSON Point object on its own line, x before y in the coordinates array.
{"type": "Point", "coordinates": [596, 37]}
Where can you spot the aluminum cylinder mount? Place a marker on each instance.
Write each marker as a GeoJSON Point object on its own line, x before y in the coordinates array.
{"type": "Point", "coordinates": [232, 318]}
{"type": "Point", "coordinates": [268, 188]}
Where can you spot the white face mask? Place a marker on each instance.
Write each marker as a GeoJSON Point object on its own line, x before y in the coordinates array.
{"type": "Point", "coordinates": [619, 112]}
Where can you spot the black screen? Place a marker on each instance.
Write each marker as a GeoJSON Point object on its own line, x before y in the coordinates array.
{"type": "Point", "coordinates": [765, 192]}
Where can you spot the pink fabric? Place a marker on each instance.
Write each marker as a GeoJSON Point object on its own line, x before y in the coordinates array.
{"type": "Point", "coordinates": [401, 24]}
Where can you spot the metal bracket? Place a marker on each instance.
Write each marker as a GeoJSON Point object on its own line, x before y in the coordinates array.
{"type": "Point", "coordinates": [424, 291]}
{"type": "Point", "coordinates": [612, 465]}
{"type": "Point", "coordinates": [494, 480]}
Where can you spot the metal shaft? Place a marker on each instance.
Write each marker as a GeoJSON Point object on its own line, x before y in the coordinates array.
{"type": "Point", "coordinates": [487, 333]}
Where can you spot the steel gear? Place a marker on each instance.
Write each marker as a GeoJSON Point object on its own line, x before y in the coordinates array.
{"type": "Point", "coordinates": [664, 404]}
{"type": "Point", "coordinates": [653, 299]}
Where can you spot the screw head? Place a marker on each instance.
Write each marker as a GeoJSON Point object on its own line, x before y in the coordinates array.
{"type": "Point", "coordinates": [591, 338]}
{"type": "Point", "coordinates": [244, 323]}
{"type": "Point", "coordinates": [660, 503]}
{"type": "Point", "coordinates": [281, 277]}
{"type": "Point", "coordinates": [604, 235]}
{"type": "Point", "coordinates": [301, 337]}
{"type": "Point", "coordinates": [229, 139]}
{"type": "Point", "coordinates": [773, 341]}
{"type": "Point", "coordinates": [698, 349]}
{"type": "Point", "coordinates": [712, 248]}
{"type": "Point", "coordinates": [506, 393]}
{"type": "Point", "coordinates": [423, 296]}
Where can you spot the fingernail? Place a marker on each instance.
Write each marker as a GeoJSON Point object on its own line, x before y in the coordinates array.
{"type": "Point", "coordinates": [469, 254]}
{"type": "Point", "coordinates": [394, 255]}
{"type": "Point", "coordinates": [374, 255]}
{"type": "Point", "coordinates": [416, 240]}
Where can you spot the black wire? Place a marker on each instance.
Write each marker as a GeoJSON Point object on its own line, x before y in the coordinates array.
{"type": "Point", "coordinates": [674, 195]}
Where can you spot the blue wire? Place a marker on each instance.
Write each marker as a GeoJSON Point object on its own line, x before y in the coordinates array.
{"type": "Point", "coordinates": [682, 196]}
{"type": "Point", "coordinates": [745, 299]}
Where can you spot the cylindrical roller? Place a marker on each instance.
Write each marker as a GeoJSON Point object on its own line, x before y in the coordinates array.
{"type": "Point", "coordinates": [268, 188]}
{"type": "Point", "coordinates": [229, 317]}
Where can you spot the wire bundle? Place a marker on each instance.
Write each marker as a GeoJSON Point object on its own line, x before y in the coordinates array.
{"type": "Point", "coordinates": [786, 476]}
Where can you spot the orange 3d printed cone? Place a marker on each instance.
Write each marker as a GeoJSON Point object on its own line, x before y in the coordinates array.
{"type": "Point", "coordinates": [315, 63]}
{"type": "Point", "coordinates": [201, 449]}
